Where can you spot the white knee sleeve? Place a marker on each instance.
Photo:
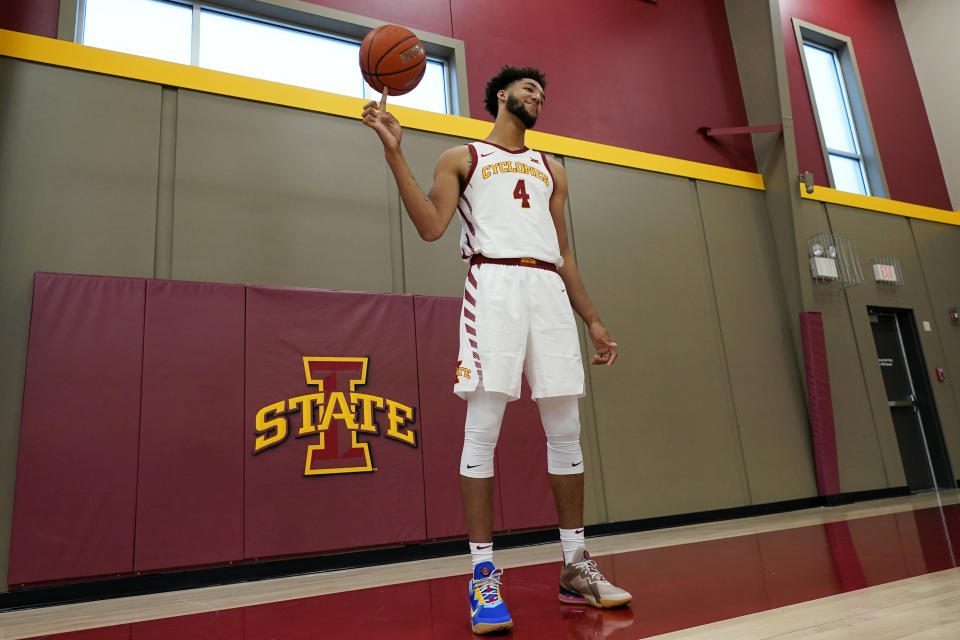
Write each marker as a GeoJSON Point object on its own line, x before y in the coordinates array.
{"type": "Point", "coordinates": [480, 433]}
{"type": "Point", "coordinates": [561, 422]}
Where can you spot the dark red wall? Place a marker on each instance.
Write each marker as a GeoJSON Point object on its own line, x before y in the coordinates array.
{"type": "Point", "coordinates": [907, 149]}
{"type": "Point", "coordinates": [627, 73]}
{"type": "Point", "coordinates": [630, 74]}
{"type": "Point", "coordinates": [38, 17]}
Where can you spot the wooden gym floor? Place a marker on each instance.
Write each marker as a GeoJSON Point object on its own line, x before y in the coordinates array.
{"type": "Point", "coordinates": [881, 570]}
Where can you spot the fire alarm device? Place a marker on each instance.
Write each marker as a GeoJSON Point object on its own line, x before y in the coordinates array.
{"type": "Point", "coordinates": [941, 375]}
{"type": "Point", "coordinates": [954, 315]}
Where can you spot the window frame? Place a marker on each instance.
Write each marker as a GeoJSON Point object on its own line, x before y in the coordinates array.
{"type": "Point", "coordinates": [310, 18]}
{"type": "Point", "coordinates": [842, 48]}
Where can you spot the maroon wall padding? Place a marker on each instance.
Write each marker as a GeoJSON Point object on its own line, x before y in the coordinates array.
{"type": "Point", "coordinates": [820, 404]}
{"type": "Point", "coordinates": [144, 402]}
{"type": "Point", "coordinates": [907, 148]}
{"type": "Point", "coordinates": [75, 500]}
{"type": "Point", "coordinates": [285, 512]}
{"type": "Point", "coordinates": [190, 496]}
{"type": "Point", "coordinates": [441, 417]}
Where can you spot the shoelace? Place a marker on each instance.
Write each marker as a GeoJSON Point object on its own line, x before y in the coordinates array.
{"type": "Point", "coordinates": [588, 569]}
{"type": "Point", "coordinates": [489, 587]}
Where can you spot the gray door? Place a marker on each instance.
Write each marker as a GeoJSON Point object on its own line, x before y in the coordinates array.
{"type": "Point", "coordinates": [914, 415]}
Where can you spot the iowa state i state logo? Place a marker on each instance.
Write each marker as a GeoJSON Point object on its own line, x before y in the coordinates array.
{"type": "Point", "coordinates": [336, 415]}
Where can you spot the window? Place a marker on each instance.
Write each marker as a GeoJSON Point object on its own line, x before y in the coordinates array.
{"type": "Point", "coordinates": [843, 122]}
{"type": "Point", "coordinates": [215, 37]}
{"type": "Point", "coordinates": [142, 27]}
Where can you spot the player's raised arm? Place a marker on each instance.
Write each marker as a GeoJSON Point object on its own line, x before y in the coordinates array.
{"type": "Point", "coordinates": [606, 348]}
{"type": "Point", "coordinates": [430, 213]}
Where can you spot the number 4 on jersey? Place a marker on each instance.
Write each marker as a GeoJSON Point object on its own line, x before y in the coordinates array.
{"type": "Point", "coordinates": [520, 193]}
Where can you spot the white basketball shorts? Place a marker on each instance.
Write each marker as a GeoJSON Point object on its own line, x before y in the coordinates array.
{"type": "Point", "coordinates": [517, 320]}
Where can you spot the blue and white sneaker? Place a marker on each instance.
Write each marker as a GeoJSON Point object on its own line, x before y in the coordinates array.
{"type": "Point", "coordinates": [488, 612]}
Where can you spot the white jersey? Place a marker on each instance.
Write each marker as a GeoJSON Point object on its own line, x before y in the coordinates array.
{"type": "Point", "coordinates": [505, 205]}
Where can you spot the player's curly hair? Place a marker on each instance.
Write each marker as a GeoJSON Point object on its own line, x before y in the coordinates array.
{"type": "Point", "coordinates": [503, 80]}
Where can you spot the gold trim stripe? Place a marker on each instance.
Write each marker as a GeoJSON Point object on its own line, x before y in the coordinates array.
{"type": "Point", "coordinates": [24, 46]}
{"type": "Point", "coordinates": [68, 54]}
{"type": "Point", "coordinates": [881, 205]}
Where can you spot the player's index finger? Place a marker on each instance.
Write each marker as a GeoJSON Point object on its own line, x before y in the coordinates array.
{"type": "Point", "coordinates": [383, 100]}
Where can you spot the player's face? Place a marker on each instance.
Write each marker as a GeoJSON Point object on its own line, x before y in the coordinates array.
{"type": "Point", "coordinates": [525, 100]}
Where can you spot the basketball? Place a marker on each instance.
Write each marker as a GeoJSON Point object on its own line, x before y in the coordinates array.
{"type": "Point", "coordinates": [392, 56]}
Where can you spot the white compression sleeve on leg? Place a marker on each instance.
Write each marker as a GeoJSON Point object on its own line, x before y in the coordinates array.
{"type": "Point", "coordinates": [480, 433]}
{"type": "Point", "coordinates": [561, 422]}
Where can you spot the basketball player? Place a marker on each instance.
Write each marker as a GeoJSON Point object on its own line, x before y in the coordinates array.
{"type": "Point", "coordinates": [516, 319]}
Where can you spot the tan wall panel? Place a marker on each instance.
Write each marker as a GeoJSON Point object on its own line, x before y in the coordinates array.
{"type": "Point", "coordinates": [665, 420]}
{"type": "Point", "coordinates": [884, 235]}
{"type": "Point", "coordinates": [278, 196]}
{"type": "Point", "coordinates": [860, 456]}
{"type": "Point", "coordinates": [595, 497]}
{"type": "Point", "coordinates": [764, 373]}
{"type": "Point", "coordinates": [429, 268]}
{"type": "Point", "coordinates": [77, 194]}
{"type": "Point", "coordinates": [939, 246]}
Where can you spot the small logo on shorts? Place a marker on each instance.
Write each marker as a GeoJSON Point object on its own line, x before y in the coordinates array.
{"type": "Point", "coordinates": [528, 261]}
{"type": "Point", "coordinates": [462, 371]}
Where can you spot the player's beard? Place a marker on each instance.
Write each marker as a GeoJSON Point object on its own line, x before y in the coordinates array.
{"type": "Point", "coordinates": [518, 109]}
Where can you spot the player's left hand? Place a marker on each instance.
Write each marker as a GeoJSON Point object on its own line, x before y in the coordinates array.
{"type": "Point", "coordinates": [602, 341]}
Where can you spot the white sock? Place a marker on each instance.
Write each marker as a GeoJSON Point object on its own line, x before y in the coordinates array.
{"type": "Point", "coordinates": [570, 541]}
{"type": "Point", "coordinates": [481, 552]}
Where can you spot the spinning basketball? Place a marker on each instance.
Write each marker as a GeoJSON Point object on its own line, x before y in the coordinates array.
{"type": "Point", "coordinates": [392, 56]}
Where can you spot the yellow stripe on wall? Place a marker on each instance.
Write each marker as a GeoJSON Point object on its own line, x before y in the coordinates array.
{"type": "Point", "coordinates": [68, 54]}
{"type": "Point", "coordinates": [881, 205]}
{"type": "Point", "coordinates": [24, 46]}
